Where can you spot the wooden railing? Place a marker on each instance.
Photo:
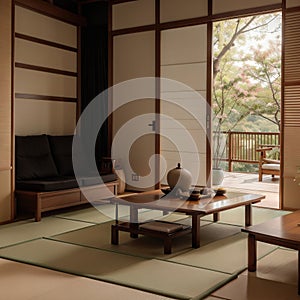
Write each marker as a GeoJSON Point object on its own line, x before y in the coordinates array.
{"type": "Point", "coordinates": [241, 146]}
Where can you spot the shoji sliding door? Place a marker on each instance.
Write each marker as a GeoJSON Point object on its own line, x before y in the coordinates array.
{"type": "Point", "coordinates": [184, 111]}
{"type": "Point", "coordinates": [183, 103]}
{"type": "Point", "coordinates": [133, 104]}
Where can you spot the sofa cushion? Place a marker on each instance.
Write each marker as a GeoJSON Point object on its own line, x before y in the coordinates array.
{"type": "Point", "coordinates": [33, 158]}
{"type": "Point", "coordinates": [61, 147]}
{"type": "Point", "coordinates": [47, 184]}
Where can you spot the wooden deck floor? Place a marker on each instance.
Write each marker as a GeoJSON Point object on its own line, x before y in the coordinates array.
{"type": "Point", "coordinates": [249, 183]}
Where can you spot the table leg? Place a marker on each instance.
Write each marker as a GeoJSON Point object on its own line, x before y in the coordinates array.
{"type": "Point", "coordinates": [248, 215]}
{"type": "Point", "coordinates": [216, 217]}
{"type": "Point", "coordinates": [114, 235]}
{"type": "Point", "coordinates": [133, 221]}
{"type": "Point", "coordinates": [195, 231]}
{"type": "Point", "coordinates": [251, 253]}
{"type": "Point", "coordinates": [298, 272]}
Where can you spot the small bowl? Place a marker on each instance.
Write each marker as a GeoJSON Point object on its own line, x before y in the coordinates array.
{"type": "Point", "coordinates": [220, 192]}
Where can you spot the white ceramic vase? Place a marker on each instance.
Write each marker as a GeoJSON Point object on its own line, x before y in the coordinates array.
{"type": "Point", "coordinates": [217, 176]}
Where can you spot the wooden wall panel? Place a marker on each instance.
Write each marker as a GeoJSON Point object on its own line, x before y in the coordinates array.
{"type": "Point", "coordinates": [5, 111]}
{"type": "Point", "coordinates": [292, 3]}
{"type": "Point", "coordinates": [292, 47]}
{"type": "Point", "coordinates": [5, 196]}
{"type": "Point", "coordinates": [291, 112]}
{"type": "Point", "coordinates": [292, 106]}
{"type": "Point", "coordinates": [5, 86]}
{"type": "Point", "coordinates": [134, 13]}
{"type": "Point", "coordinates": [40, 26]}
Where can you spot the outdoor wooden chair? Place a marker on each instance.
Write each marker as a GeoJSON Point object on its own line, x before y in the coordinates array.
{"type": "Point", "coordinates": [266, 165]}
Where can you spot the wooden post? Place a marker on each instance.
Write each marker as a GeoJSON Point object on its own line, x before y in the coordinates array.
{"type": "Point", "coordinates": [229, 151]}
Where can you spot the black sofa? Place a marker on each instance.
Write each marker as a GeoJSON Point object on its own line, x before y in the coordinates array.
{"type": "Point", "coordinates": [44, 176]}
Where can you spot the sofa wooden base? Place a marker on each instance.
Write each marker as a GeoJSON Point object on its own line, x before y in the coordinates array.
{"type": "Point", "coordinates": [39, 202]}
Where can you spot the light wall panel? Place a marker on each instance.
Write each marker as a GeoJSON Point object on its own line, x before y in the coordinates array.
{"type": "Point", "coordinates": [173, 10]}
{"type": "Point", "coordinates": [134, 13]}
{"type": "Point", "coordinates": [40, 26]}
{"type": "Point", "coordinates": [50, 57]}
{"type": "Point", "coordinates": [42, 83]}
{"type": "Point", "coordinates": [49, 117]}
{"type": "Point", "coordinates": [221, 6]}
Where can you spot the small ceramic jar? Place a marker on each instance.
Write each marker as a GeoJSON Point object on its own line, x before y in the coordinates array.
{"type": "Point", "coordinates": [179, 178]}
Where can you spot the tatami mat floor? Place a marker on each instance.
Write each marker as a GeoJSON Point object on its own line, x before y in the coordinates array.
{"type": "Point", "coordinates": [276, 276]}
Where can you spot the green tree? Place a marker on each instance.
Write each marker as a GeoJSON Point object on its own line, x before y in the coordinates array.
{"type": "Point", "coordinates": [246, 75]}
{"type": "Point", "coordinates": [266, 76]}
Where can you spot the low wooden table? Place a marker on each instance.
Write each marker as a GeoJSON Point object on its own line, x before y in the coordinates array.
{"type": "Point", "coordinates": [282, 231]}
{"type": "Point", "coordinates": [197, 209]}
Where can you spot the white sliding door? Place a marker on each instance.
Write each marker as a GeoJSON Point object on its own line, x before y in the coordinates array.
{"type": "Point", "coordinates": [183, 103]}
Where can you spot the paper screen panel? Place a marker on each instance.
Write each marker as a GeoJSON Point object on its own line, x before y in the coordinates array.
{"type": "Point", "coordinates": [40, 26]}
{"type": "Point", "coordinates": [183, 138]}
{"type": "Point", "coordinates": [134, 56]}
{"type": "Point", "coordinates": [221, 6]}
{"type": "Point", "coordinates": [36, 54]}
{"type": "Point", "coordinates": [173, 10]}
{"type": "Point", "coordinates": [133, 14]}
{"type": "Point", "coordinates": [43, 83]}
{"type": "Point", "coordinates": [49, 117]}
{"type": "Point", "coordinates": [174, 45]}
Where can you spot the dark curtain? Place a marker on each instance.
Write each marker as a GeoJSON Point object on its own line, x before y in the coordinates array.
{"type": "Point", "coordinates": [94, 65]}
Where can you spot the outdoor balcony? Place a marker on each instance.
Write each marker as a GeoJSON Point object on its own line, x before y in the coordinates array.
{"type": "Point", "coordinates": [240, 160]}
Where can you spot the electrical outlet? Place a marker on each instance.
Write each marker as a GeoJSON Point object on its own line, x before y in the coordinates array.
{"type": "Point", "coordinates": [135, 177]}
